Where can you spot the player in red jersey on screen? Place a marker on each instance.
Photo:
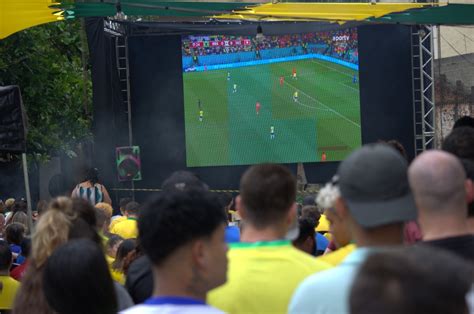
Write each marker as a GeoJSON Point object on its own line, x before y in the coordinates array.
{"type": "Point", "coordinates": [323, 156]}
{"type": "Point", "coordinates": [257, 107]}
{"type": "Point", "coordinates": [294, 74]}
{"type": "Point", "coordinates": [282, 80]}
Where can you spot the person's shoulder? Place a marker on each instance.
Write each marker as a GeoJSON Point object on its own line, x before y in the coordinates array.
{"type": "Point", "coordinates": [334, 277]}
{"type": "Point", "coordinates": [336, 257]}
{"type": "Point", "coordinates": [8, 281]}
{"type": "Point", "coordinates": [141, 308]}
{"type": "Point", "coordinates": [305, 260]}
{"type": "Point", "coordinates": [165, 309]}
{"type": "Point", "coordinates": [122, 223]}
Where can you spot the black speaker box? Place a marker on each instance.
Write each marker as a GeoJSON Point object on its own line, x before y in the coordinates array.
{"type": "Point", "coordinates": [12, 120]}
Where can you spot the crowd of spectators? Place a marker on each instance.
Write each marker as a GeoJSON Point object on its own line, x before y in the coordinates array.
{"type": "Point", "coordinates": [385, 235]}
{"type": "Point", "coordinates": [341, 44]}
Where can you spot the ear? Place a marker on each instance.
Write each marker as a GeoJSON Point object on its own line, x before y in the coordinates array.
{"type": "Point", "coordinates": [341, 208]}
{"type": "Point", "coordinates": [198, 252]}
{"type": "Point", "coordinates": [309, 241]}
{"type": "Point", "coordinates": [292, 213]}
{"type": "Point", "coordinates": [240, 208]}
{"type": "Point", "coordinates": [469, 186]}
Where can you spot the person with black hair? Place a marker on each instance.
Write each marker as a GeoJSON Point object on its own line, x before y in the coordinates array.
{"type": "Point", "coordinates": [188, 256]}
{"type": "Point", "coordinates": [464, 121]}
{"type": "Point", "coordinates": [312, 212]}
{"type": "Point", "coordinates": [306, 240]}
{"type": "Point", "coordinates": [69, 269]}
{"type": "Point", "coordinates": [183, 181]}
{"type": "Point", "coordinates": [14, 234]}
{"type": "Point", "coordinates": [139, 281]}
{"type": "Point", "coordinates": [8, 285]}
{"type": "Point", "coordinates": [122, 216]}
{"type": "Point", "coordinates": [412, 281]}
{"type": "Point", "coordinates": [91, 190]}
{"type": "Point", "coordinates": [127, 229]}
{"type": "Point", "coordinates": [111, 247]}
{"type": "Point", "coordinates": [18, 272]}
{"type": "Point", "coordinates": [460, 142]}
{"type": "Point", "coordinates": [123, 250]}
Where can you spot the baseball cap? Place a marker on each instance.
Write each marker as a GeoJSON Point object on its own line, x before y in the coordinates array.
{"type": "Point", "coordinates": [183, 181]}
{"type": "Point", "coordinates": [373, 181]}
{"type": "Point", "coordinates": [309, 200]}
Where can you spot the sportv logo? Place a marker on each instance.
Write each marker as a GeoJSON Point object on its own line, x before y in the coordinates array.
{"type": "Point", "coordinates": [340, 38]}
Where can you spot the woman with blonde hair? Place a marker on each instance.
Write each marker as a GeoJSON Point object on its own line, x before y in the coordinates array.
{"type": "Point", "coordinates": [65, 219]}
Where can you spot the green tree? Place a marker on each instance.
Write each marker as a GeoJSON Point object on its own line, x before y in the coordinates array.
{"type": "Point", "coordinates": [46, 62]}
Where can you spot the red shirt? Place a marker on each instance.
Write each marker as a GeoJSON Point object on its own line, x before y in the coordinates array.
{"type": "Point", "coordinates": [18, 272]}
{"type": "Point", "coordinates": [257, 105]}
{"type": "Point", "coordinates": [294, 70]}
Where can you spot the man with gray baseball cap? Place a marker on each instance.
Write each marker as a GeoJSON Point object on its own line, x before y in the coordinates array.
{"type": "Point", "coordinates": [375, 200]}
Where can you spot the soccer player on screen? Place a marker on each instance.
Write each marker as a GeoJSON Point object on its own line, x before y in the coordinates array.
{"type": "Point", "coordinates": [354, 78]}
{"type": "Point", "coordinates": [295, 96]}
{"type": "Point", "coordinates": [323, 156]}
{"type": "Point", "coordinates": [201, 115]}
{"type": "Point", "coordinates": [257, 107]}
{"type": "Point", "coordinates": [272, 132]}
{"type": "Point", "coordinates": [235, 89]}
{"type": "Point", "coordinates": [228, 76]}
{"type": "Point", "coordinates": [282, 80]}
{"type": "Point", "coordinates": [294, 74]}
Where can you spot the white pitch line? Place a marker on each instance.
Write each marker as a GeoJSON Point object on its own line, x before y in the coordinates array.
{"type": "Point", "coordinates": [346, 85]}
{"type": "Point", "coordinates": [329, 108]}
{"type": "Point", "coordinates": [331, 68]}
{"type": "Point", "coordinates": [308, 106]}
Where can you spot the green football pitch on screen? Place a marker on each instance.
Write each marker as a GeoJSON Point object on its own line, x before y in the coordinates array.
{"type": "Point", "coordinates": [263, 113]}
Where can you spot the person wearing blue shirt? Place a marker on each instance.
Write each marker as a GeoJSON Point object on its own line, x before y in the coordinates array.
{"type": "Point", "coordinates": [376, 200]}
{"type": "Point", "coordinates": [321, 243]}
{"type": "Point", "coordinates": [188, 256]}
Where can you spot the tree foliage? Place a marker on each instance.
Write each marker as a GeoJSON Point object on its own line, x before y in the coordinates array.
{"type": "Point", "coordinates": [45, 61]}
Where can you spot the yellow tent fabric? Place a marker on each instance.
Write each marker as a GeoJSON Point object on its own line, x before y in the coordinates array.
{"type": "Point", "coordinates": [16, 15]}
{"type": "Point", "coordinates": [334, 12]}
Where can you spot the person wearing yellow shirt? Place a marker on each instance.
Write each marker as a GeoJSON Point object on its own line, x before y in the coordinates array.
{"type": "Point", "coordinates": [117, 267]}
{"type": "Point", "coordinates": [127, 229]}
{"type": "Point", "coordinates": [339, 228]}
{"type": "Point", "coordinates": [8, 285]}
{"type": "Point", "coordinates": [264, 268]}
{"type": "Point", "coordinates": [122, 217]}
{"type": "Point", "coordinates": [111, 249]}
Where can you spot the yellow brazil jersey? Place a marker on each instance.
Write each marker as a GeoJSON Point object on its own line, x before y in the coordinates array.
{"type": "Point", "coordinates": [127, 229]}
{"type": "Point", "coordinates": [336, 257]}
{"type": "Point", "coordinates": [323, 225]}
{"type": "Point", "coordinates": [109, 260]}
{"type": "Point", "coordinates": [8, 292]}
{"type": "Point", "coordinates": [116, 221]}
{"type": "Point", "coordinates": [118, 276]}
{"type": "Point", "coordinates": [262, 277]}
